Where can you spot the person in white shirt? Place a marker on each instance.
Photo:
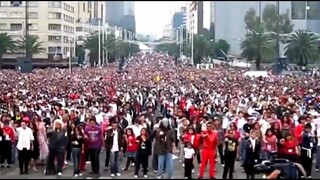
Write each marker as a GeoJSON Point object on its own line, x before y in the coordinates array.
{"type": "Point", "coordinates": [188, 160]}
{"type": "Point", "coordinates": [24, 146]}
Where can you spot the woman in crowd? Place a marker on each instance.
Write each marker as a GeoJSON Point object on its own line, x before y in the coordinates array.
{"type": "Point", "coordinates": [230, 152]}
{"type": "Point", "coordinates": [77, 144]}
{"type": "Point", "coordinates": [290, 148]}
{"type": "Point", "coordinates": [131, 147]}
{"type": "Point", "coordinates": [35, 151]}
{"type": "Point", "coordinates": [42, 138]}
{"type": "Point", "coordinates": [194, 138]}
{"type": "Point", "coordinates": [9, 134]}
{"type": "Point", "coordinates": [84, 153]}
{"type": "Point", "coordinates": [144, 149]}
{"type": "Point", "coordinates": [270, 145]}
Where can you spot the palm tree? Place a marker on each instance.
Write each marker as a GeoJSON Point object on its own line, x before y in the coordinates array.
{"type": "Point", "coordinates": [92, 44]}
{"type": "Point", "coordinates": [32, 44]}
{"type": "Point", "coordinates": [256, 45]}
{"type": "Point", "coordinates": [301, 47]}
{"type": "Point", "coordinates": [6, 44]}
{"type": "Point", "coordinates": [111, 46]}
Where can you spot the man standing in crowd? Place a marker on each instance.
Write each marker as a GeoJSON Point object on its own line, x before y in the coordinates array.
{"type": "Point", "coordinates": [24, 146]}
{"type": "Point", "coordinates": [209, 149]}
{"type": "Point", "coordinates": [165, 146]}
{"type": "Point", "coordinates": [95, 142]}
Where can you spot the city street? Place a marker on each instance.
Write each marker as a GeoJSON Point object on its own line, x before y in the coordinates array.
{"type": "Point", "coordinates": [13, 172]}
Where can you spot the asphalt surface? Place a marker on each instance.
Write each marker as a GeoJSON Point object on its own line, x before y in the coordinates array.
{"type": "Point", "coordinates": [13, 172]}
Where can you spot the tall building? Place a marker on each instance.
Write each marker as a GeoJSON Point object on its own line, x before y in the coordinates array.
{"type": "Point", "coordinates": [230, 25]}
{"type": "Point", "coordinates": [179, 22]}
{"type": "Point", "coordinates": [212, 12]}
{"type": "Point", "coordinates": [195, 17]}
{"type": "Point", "coordinates": [121, 14]}
{"type": "Point", "coordinates": [54, 22]}
{"type": "Point", "coordinates": [168, 31]}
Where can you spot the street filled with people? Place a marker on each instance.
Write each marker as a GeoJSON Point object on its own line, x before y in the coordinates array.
{"type": "Point", "coordinates": [153, 111]}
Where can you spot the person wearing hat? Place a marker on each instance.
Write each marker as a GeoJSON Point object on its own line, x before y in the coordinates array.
{"type": "Point", "coordinates": [307, 144]}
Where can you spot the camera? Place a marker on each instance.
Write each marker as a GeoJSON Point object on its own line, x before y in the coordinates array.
{"type": "Point", "coordinates": [289, 170]}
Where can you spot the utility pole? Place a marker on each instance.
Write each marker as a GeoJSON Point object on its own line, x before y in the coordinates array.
{"type": "Point", "coordinates": [260, 13]}
{"type": "Point", "coordinates": [278, 31]}
{"type": "Point", "coordinates": [26, 19]}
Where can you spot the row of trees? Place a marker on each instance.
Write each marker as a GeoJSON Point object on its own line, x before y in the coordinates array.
{"type": "Point", "coordinates": [260, 43]}
{"type": "Point", "coordinates": [202, 47]}
{"type": "Point", "coordinates": [115, 48]}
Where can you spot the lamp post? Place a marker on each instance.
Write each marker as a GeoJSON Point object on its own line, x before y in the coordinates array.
{"type": "Point", "coordinates": [278, 31]}
{"type": "Point", "coordinates": [99, 42]}
{"type": "Point", "coordinates": [27, 27]}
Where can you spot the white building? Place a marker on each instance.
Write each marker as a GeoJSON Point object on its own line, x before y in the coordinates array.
{"type": "Point", "coordinates": [168, 31]}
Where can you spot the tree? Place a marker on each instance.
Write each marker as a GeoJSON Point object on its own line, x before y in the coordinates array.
{"type": "Point", "coordinates": [301, 47]}
{"type": "Point", "coordinates": [111, 47]}
{"type": "Point", "coordinates": [6, 44]}
{"type": "Point", "coordinates": [221, 45]}
{"type": "Point", "coordinates": [80, 54]}
{"type": "Point", "coordinates": [252, 21]}
{"type": "Point", "coordinates": [255, 45]}
{"type": "Point", "coordinates": [92, 44]}
{"type": "Point", "coordinates": [172, 49]}
{"type": "Point", "coordinates": [200, 48]}
{"type": "Point", "coordinates": [31, 43]}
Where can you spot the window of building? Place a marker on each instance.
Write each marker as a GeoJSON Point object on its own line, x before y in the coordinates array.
{"type": "Point", "coordinates": [313, 11]}
{"type": "Point", "coordinates": [54, 49]}
{"type": "Point", "coordinates": [84, 7]}
{"type": "Point", "coordinates": [32, 3]}
{"type": "Point", "coordinates": [16, 3]}
{"type": "Point", "coordinates": [65, 50]}
{"type": "Point", "coordinates": [298, 9]}
{"type": "Point", "coordinates": [3, 14]}
{"type": "Point", "coordinates": [33, 15]}
{"type": "Point", "coordinates": [16, 15]}
{"type": "Point", "coordinates": [55, 4]}
{"type": "Point", "coordinates": [3, 3]}
{"type": "Point", "coordinates": [79, 29]}
{"type": "Point", "coordinates": [15, 27]}
{"type": "Point", "coordinates": [54, 27]}
{"type": "Point", "coordinates": [54, 15]}
{"type": "Point", "coordinates": [33, 26]}
{"type": "Point", "coordinates": [54, 38]}
{"type": "Point", "coordinates": [3, 26]}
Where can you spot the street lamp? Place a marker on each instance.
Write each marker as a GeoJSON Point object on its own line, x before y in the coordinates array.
{"type": "Point", "coordinates": [99, 42]}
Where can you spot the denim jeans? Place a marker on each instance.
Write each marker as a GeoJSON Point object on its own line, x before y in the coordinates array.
{"type": "Point", "coordinates": [114, 162]}
{"type": "Point", "coordinates": [76, 154]}
{"type": "Point", "coordinates": [14, 152]}
{"type": "Point", "coordinates": [242, 150]}
{"type": "Point", "coordinates": [167, 161]}
{"type": "Point", "coordinates": [318, 157]}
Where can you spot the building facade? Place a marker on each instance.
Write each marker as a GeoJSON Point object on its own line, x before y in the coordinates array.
{"type": "Point", "coordinates": [54, 22]}
{"type": "Point", "coordinates": [195, 17]}
{"type": "Point", "coordinates": [230, 25]}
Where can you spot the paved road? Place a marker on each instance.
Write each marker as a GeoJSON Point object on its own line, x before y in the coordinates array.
{"type": "Point", "coordinates": [13, 172]}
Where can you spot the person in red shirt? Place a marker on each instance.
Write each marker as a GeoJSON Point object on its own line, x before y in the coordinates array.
{"type": "Point", "coordinates": [131, 147]}
{"type": "Point", "coordinates": [234, 129]}
{"type": "Point", "coordinates": [270, 144]}
{"type": "Point", "coordinates": [9, 135]}
{"type": "Point", "coordinates": [299, 129]}
{"type": "Point", "coordinates": [290, 148]}
{"type": "Point", "coordinates": [194, 138]}
{"type": "Point", "coordinates": [209, 148]}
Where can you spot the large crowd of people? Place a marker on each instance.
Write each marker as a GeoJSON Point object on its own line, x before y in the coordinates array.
{"type": "Point", "coordinates": [155, 108]}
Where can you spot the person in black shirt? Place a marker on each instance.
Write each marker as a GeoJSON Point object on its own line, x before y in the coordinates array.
{"type": "Point", "coordinates": [230, 152]}
{"type": "Point", "coordinates": [307, 144]}
{"type": "Point", "coordinates": [77, 144]}
{"type": "Point", "coordinates": [248, 126]}
{"type": "Point", "coordinates": [143, 152]}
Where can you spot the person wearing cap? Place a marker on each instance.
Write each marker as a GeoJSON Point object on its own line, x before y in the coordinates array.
{"type": "Point", "coordinates": [24, 146]}
{"type": "Point", "coordinates": [307, 144]}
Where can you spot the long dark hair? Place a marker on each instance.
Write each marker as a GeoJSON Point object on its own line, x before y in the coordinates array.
{"type": "Point", "coordinates": [147, 132]}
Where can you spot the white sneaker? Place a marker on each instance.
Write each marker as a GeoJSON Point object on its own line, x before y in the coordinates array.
{"type": "Point", "coordinates": [317, 170]}
{"type": "Point", "coordinates": [65, 162]}
{"type": "Point", "coordinates": [80, 174]}
{"type": "Point", "coordinates": [118, 174]}
{"type": "Point", "coordinates": [159, 177]}
{"type": "Point", "coordinates": [59, 174]}
{"type": "Point", "coordinates": [132, 164]}
{"type": "Point", "coordinates": [222, 165]}
{"type": "Point", "coordinates": [112, 175]}
{"type": "Point", "coordinates": [76, 175]}
{"type": "Point", "coordinates": [135, 176]}
{"type": "Point", "coordinates": [192, 171]}
{"type": "Point", "coordinates": [182, 165]}
{"type": "Point", "coordinates": [145, 176]}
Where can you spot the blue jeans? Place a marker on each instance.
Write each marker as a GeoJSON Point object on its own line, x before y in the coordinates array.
{"type": "Point", "coordinates": [243, 150]}
{"type": "Point", "coordinates": [76, 154]}
{"type": "Point", "coordinates": [114, 162]}
{"type": "Point", "coordinates": [165, 160]}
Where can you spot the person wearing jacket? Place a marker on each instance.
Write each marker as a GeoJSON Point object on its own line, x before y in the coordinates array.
{"type": "Point", "coordinates": [130, 146]}
{"type": "Point", "coordinates": [165, 145]}
{"type": "Point", "coordinates": [9, 134]}
{"type": "Point", "coordinates": [144, 148]}
{"type": "Point", "coordinates": [194, 138]}
{"type": "Point", "coordinates": [209, 139]}
{"type": "Point", "coordinates": [114, 144]}
{"type": "Point", "coordinates": [252, 151]}
{"type": "Point", "coordinates": [58, 140]}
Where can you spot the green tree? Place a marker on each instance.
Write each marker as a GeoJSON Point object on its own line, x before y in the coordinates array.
{"type": "Point", "coordinates": [252, 21]}
{"type": "Point", "coordinates": [6, 44]}
{"type": "Point", "coordinates": [111, 47]}
{"type": "Point", "coordinates": [200, 48]}
{"type": "Point", "coordinates": [255, 46]}
{"type": "Point", "coordinates": [221, 45]}
{"type": "Point", "coordinates": [92, 44]}
{"type": "Point", "coordinates": [80, 54]}
{"type": "Point", "coordinates": [31, 43]}
{"type": "Point", "coordinates": [302, 46]}
{"type": "Point", "coordinates": [172, 49]}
